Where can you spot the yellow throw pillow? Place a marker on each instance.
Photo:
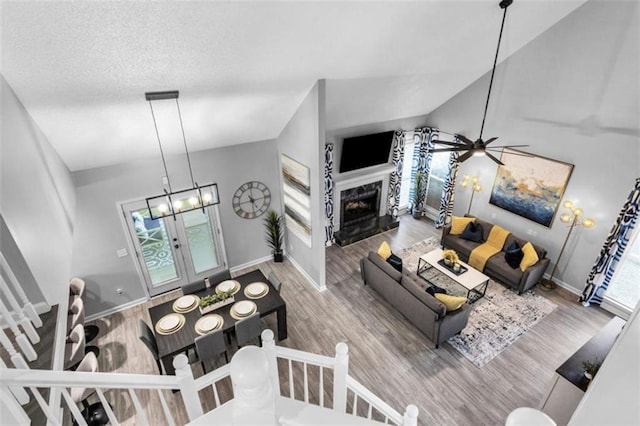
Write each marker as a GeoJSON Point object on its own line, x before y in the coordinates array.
{"type": "Point", "coordinates": [384, 251]}
{"type": "Point", "coordinates": [459, 223]}
{"type": "Point", "coordinates": [530, 257]}
{"type": "Point", "coordinates": [451, 302]}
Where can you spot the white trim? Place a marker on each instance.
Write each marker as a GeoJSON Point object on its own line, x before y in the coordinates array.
{"type": "Point", "coordinates": [608, 304]}
{"type": "Point", "coordinates": [307, 276]}
{"type": "Point", "coordinates": [569, 288]}
{"type": "Point", "coordinates": [118, 308]}
{"type": "Point", "coordinates": [57, 353]}
{"type": "Point", "coordinates": [251, 263]}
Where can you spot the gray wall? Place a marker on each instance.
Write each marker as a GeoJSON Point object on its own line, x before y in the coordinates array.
{"type": "Point", "coordinates": [303, 140]}
{"type": "Point", "coordinates": [99, 228]}
{"type": "Point", "coordinates": [586, 65]}
{"type": "Point", "coordinates": [37, 201]}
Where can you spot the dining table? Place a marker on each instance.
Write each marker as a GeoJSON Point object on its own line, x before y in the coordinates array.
{"type": "Point", "coordinates": [183, 339]}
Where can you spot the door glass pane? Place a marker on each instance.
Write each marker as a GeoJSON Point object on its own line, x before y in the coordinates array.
{"type": "Point", "coordinates": [624, 288]}
{"type": "Point", "coordinates": [156, 248]}
{"type": "Point", "coordinates": [199, 234]}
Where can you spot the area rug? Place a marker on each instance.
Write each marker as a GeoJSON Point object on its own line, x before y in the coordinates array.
{"type": "Point", "coordinates": [496, 321]}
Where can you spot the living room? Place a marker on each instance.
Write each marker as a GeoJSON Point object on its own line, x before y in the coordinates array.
{"type": "Point", "coordinates": [584, 66]}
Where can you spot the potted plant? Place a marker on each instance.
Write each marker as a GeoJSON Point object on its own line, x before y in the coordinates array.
{"type": "Point", "coordinates": [274, 234]}
{"type": "Point", "coordinates": [591, 368]}
{"type": "Point", "coordinates": [418, 189]}
{"type": "Point", "coordinates": [212, 302]}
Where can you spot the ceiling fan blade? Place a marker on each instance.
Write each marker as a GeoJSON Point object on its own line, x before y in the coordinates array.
{"type": "Point", "coordinates": [464, 139]}
{"type": "Point", "coordinates": [520, 154]}
{"type": "Point", "coordinates": [448, 143]}
{"type": "Point", "coordinates": [490, 140]}
{"type": "Point", "coordinates": [464, 157]}
{"type": "Point", "coordinates": [506, 146]}
{"type": "Point", "coordinates": [628, 131]}
{"type": "Point", "coordinates": [449, 149]}
{"type": "Point", "coordinates": [488, 154]}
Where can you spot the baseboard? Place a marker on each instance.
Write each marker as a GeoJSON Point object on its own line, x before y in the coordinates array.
{"type": "Point", "coordinates": [116, 309]}
{"type": "Point", "coordinates": [251, 263]}
{"type": "Point", "coordinates": [307, 276]}
{"type": "Point", "coordinates": [565, 286]}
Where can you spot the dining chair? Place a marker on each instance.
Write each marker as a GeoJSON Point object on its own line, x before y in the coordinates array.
{"type": "Point", "coordinates": [275, 282]}
{"type": "Point", "coordinates": [93, 414]}
{"type": "Point", "coordinates": [248, 329]}
{"type": "Point", "coordinates": [193, 287]}
{"type": "Point", "coordinates": [74, 348]}
{"type": "Point", "coordinates": [211, 346]}
{"type": "Point", "coordinates": [219, 277]}
{"type": "Point", "coordinates": [76, 316]}
{"type": "Point", "coordinates": [77, 290]}
{"type": "Point", "coordinates": [149, 339]}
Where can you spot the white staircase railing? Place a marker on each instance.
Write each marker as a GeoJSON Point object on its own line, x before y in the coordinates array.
{"type": "Point", "coordinates": [138, 385]}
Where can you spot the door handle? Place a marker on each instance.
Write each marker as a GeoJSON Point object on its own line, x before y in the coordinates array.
{"type": "Point", "coordinates": [177, 246]}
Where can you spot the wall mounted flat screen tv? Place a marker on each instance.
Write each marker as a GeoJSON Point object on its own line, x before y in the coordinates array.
{"type": "Point", "coordinates": [365, 151]}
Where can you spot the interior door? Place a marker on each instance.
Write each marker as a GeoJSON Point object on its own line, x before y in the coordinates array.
{"type": "Point", "coordinates": [171, 252]}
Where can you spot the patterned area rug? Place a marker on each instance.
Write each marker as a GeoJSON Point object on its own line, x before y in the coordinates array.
{"type": "Point", "coordinates": [496, 321]}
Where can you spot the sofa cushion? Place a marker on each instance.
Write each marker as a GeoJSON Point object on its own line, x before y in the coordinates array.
{"type": "Point", "coordinates": [410, 282]}
{"type": "Point", "coordinates": [459, 223]}
{"type": "Point", "coordinates": [473, 232]}
{"type": "Point", "coordinates": [382, 264]}
{"type": "Point", "coordinates": [498, 269]}
{"type": "Point", "coordinates": [384, 251]}
{"type": "Point", "coordinates": [530, 257]}
{"type": "Point", "coordinates": [453, 303]}
{"type": "Point", "coordinates": [513, 254]}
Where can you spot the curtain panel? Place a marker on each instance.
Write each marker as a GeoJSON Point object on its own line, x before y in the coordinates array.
{"type": "Point", "coordinates": [395, 179]}
{"type": "Point", "coordinates": [612, 250]}
{"type": "Point", "coordinates": [328, 194]}
{"type": "Point", "coordinates": [421, 162]}
{"type": "Point", "coordinates": [448, 192]}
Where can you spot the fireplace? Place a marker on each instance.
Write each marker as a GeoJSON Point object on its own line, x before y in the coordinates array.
{"type": "Point", "coordinates": [360, 214]}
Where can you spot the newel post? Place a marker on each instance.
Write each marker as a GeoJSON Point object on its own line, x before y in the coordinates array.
{"type": "Point", "coordinates": [340, 372]}
{"type": "Point", "coordinates": [254, 402]}
{"type": "Point", "coordinates": [410, 417]}
{"type": "Point", "coordinates": [187, 386]}
{"type": "Point", "coordinates": [269, 349]}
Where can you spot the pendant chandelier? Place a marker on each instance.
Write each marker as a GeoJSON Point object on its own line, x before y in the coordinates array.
{"type": "Point", "coordinates": [172, 202]}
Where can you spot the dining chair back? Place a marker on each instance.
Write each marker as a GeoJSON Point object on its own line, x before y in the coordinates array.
{"type": "Point", "coordinates": [211, 346]}
{"type": "Point", "coordinates": [93, 414]}
{"type": "Point", "coordinates": [149, 339]}
{"type": "Point", "coordinates": [248, 329]}
{"type": "Point", "coordinates": [275, 282]}
{"type": "Point", "coordinates": [193, 287]}
{"type": "Point", "coordinates": [75, 316]}
{"type": "Point", "coordinates": [74, 349]}
{"type": "Point", "coordinates": [77, 287]}
{"type": "Point", "coordinates": [219, 277]}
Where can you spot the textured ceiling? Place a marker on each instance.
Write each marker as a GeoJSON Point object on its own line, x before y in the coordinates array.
{"type": "Point", "coordinates": [81, 68]}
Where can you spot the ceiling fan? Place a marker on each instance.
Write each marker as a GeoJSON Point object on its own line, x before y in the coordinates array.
{"type": "Point", "coordinates": [479, 146]}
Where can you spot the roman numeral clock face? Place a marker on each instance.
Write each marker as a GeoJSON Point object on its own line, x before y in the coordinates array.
{"type": "Point", "coordinates": [251, 200]}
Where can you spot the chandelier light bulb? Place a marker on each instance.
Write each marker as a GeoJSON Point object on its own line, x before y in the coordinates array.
{"type": "Point", "coordinates": [163, 208]}
{"type": "Point", "coordinates": [177, 205]}
{"type": "Point", "coordinates": [193, 201]}
{"type": "Point", "coordinates": [207, 198]}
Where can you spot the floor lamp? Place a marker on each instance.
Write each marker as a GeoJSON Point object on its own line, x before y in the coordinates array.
{"type": "Point", "coordinates": [475, 187]}
{"type": "Point", "coordinates": [574, 218]}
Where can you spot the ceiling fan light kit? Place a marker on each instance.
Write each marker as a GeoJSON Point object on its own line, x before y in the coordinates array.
{"type": "Point", "coordinates": [172, 202]}
{"type": "Point", "coordinates": [479, 146]}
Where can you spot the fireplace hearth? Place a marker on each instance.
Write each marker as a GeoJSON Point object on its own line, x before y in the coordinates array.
{"type": "Point", "coordinates": [360, 214]}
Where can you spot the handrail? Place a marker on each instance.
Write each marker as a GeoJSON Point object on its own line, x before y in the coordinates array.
{"type": "Point", "coordinates": [213, 377]}
{"type": "Point", "coordinates": [301, 356]}
{"type": "Point", "coordinates": [362, 392]}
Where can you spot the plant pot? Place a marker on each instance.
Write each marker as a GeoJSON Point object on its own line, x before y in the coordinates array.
{"type": "Point", "coordinates": [217, 305]}
{"type": "Point", "coordinates": [277, 256]}
{"type": "Point", "coordinates": [588, 375]}
{"type": "Point", "coordinates": [417, 214]}
{"type": "Point", "coordinates": [456, 267]}
{"type": "Point", "coordinates": [447, 262]}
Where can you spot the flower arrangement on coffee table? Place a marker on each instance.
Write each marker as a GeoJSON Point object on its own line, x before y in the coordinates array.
{"type": "Point", "coordinates": [451, 259]}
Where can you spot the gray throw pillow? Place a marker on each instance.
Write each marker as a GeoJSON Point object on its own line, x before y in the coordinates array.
{"type": "Point", "coordinates": [473, 232]}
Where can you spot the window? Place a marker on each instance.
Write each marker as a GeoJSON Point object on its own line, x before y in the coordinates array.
{"type": "Point", "coordinates": [624, 289]}
{"type": "Point", "coordinates": [405, 183]}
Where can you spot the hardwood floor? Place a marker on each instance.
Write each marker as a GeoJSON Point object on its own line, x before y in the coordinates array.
{"type": "Point", "coordinates": [387, 354]}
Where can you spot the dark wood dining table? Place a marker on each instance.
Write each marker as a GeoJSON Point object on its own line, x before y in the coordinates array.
{"type": "Point", "coordinates": [184, 339]}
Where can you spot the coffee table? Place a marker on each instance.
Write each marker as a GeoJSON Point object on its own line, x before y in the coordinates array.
{"type": "Point", "coordinates": [472, 281]}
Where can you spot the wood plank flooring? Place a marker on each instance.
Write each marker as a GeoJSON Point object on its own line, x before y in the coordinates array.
{"type": "Point", "coordinates": [387, 354]}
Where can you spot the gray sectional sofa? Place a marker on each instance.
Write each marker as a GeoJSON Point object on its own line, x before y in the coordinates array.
{"type": "Point", "coordinates": [497, 267]}
{"type": "Point", "coordinates": [403, 291]}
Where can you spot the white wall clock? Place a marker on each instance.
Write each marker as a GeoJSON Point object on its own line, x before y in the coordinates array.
{"type": "Point", "coordinates": [251, 200]}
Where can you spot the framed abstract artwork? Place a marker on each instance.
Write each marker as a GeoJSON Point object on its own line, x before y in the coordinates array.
{"type": "Point", "coordinates": [530, 186]}
{"type": "Point", "coordinates": [296, 179]}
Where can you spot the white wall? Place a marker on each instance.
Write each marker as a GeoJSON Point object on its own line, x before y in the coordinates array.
{"type": "Point", "coordinates": [99, 231]}
{"type": "Point", "coordinates": [303, 139]}
{"type": "Point", "coordinates": [37, 199]}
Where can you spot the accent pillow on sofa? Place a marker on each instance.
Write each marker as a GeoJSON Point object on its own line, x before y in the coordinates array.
{"type": "Point", "coordinates": [473, 232]}
{"type": "Point", "coordinates": [384, 251]}
{"type": "Point", "coordinates": [395, 261]}
{"type": "Point", "coordinates": [433, 289]}
{"type": "Point", "coordinates": [459, 223]}
{"type": "Point", "coordinates": [530, 257]}
{"type": "Point", "coordinates": [513, 255]}
{"type": "Point", "coordinates": [451, 302]}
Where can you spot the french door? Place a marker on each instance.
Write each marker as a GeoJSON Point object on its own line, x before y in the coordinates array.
{"type": "Point", "coordinates": [171, 252]}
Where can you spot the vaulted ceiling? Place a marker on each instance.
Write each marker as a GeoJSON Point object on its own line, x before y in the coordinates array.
{"type": "Point", "coordinates": [81, 68]}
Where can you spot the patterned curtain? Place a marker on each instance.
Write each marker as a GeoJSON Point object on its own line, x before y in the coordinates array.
{"type": "Point", "coordinates": [421, 160]}
{"type": "Point", "coordinates": [612, 250]}
{"type": "Point", "coordinates": [393, 200]}
{"type": "Point", "coordinates": [328, 194]}
{"type": "Point", "coordinates": [448, 192]}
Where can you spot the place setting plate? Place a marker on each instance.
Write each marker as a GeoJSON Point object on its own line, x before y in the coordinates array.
{"type": "Point", "coordinates": [170, 323]}
{"type": "Point", "coordinates": [243, 309]}
{"type": "Point", "coordinates": [256, 290]}
{"type": "Point", "coordinates": [209, 323]}
{"type": "Point", "coordinates": [186, 303]}
{"type": "Point", "coordinates": [228, 285]}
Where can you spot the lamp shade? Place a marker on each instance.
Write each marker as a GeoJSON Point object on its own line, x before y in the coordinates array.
{"type": "Point", "coordinates": [565, 217]}
{"type": "Point", "coordinates": [588, 222]}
